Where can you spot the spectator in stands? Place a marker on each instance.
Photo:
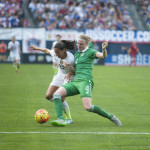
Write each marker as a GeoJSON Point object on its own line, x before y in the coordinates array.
{"type": "Point", "coordinates": [133, 50]}
{"type": "Point", "coordinates": [124, 50]}
{"type": "Point", "coordinates": [143, 7]}
{"type": "Point", "coordinates": [84, 15]}
{"type": "Point", "coordinates": [3, 47]}
{"type": "Point", "coordinates": [11, 14]}
{"type": "Point", "coordinates": [148, 21]}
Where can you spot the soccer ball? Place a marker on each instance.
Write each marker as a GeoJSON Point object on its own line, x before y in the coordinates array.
{"type": "Point", "coordinates": [41, 116]}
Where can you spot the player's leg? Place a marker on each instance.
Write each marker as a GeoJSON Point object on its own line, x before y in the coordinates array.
{"type": "Point", "coordinates": [134, 61]}
{"type": "Point", "coordinates": [67, 90]}
{"type": "Point", "coordinates": [13, 59]}
{"type": "Point", "coordinates": [17, 64]}
{"type": "Point", "coordinates": [49, 96]}
{"type": "Point", "coordinates": [55, 84]}
{"type": "Point", "coordinates": [50, 91]}
{"type": "Point", "coordinates": [57, 97]}
{"type": "Point", "coordinates": [17, 59]}
{"type": "Point", "coordinates": [86, 94]}
{"type": "Point", "coordinates": [65, 104]}
{"type": "Point", "coordinates": [87, 103]}
{"type": "Point", "coordinates": [67, 112]}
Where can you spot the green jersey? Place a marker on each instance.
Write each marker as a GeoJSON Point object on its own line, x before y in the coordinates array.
{"type": "Point", "coordinates": [91, 45]}
{"type": "Point", "coordinates": [84, 64]}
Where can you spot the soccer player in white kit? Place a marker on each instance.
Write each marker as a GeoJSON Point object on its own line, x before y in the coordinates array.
{"type": "Point", "coordinates": [55, 67]}
{"type": "Point", "coordinates": [65, 61]}
{"type": "Point", "coordinates": [15, 51]}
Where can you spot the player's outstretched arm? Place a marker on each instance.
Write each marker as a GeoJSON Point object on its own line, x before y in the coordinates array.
{"type": "Point", "coordinates": [45, 50]}
{"type": "Point", "coordinates": [104, 51]}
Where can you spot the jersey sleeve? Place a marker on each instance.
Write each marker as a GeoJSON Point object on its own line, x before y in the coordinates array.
{"type": "Point", "coordinates": [52, 53]}
{"type": "Point", "coordinates": [9, 45]}
{"type": "Point", "coordinates": [93, 54]}
{"type": "Point", "coordinates": [18, 43]}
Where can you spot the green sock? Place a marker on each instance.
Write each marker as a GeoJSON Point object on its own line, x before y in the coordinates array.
{"type": "Point", "coordinates": [58, 108]}
{"type": "Point", "coordinates": [100, 111]}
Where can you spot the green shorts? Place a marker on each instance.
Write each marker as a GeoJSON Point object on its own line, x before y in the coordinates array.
{"type": "Point", "coordinates": [82, 87]}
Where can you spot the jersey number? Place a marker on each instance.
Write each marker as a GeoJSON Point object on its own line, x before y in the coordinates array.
{"type": "Point", "coordinates": [76, 61]}
{"type": "Point", "coordinates": [88, 88]}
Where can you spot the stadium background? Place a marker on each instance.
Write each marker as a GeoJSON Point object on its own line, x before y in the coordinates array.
{"type": "Point", "coordinates": [37, 22]}
{"type": "Point", "coordinates": [123, 91]}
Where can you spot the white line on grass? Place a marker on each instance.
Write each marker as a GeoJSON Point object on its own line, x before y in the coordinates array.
{"type": "Point", "coordinates": [137, 133]}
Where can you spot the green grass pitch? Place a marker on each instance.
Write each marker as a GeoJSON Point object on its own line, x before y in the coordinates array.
{"type": "Point", "coordinates": [124, 91]}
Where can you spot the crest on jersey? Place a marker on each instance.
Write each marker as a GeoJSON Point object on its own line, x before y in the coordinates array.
{"type": "Point", "coordinates": [61, 62]}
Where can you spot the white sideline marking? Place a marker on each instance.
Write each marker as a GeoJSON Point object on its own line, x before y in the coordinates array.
{"type": "Point", "coordinates": [137, 133]}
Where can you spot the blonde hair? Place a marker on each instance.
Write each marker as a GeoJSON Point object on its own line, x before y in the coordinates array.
{"type": "Point", "coordinates": [86, 38]}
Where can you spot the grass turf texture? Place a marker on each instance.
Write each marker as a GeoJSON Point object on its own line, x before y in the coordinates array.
{"type": "Point", "coordinates": [123, 91]}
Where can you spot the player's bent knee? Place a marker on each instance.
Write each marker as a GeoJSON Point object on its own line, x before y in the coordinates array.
{"type": "Point", "coordinates": [48, 97]}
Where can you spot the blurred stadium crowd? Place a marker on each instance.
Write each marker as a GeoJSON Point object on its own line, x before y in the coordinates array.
{"type": "Point", "coordinates": [143, 7]}
{"type": "Point", "coordinates": [73, 14]}
{"type": "Point", "coordinates": [12, 15]}
{"type": "Point", "coordinates": [102, 14]}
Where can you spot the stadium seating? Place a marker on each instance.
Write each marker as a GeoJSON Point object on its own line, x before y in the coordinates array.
{"type": "Point", "coordinates": [104, 14]}
{"type": "Point", "coordinates": [143, 7]}
{"type": "Point", "coordinates": [12, 15]}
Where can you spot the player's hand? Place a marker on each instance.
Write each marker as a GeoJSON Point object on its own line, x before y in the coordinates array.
{"type": "Point", "coordinates": [68, 76]}
{"type": "Point", "coordinates": [32, 47]}
{"type": "Point", "coordinates": [104, 45]}
{"type": "Point", "coordinates": [67, 65]}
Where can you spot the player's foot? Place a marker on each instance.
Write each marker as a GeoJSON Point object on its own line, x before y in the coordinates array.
{"type": "Point", "coordinates": [69, 121]}
{"type": "Point", "coordinates": [115, 120]}
{"type": "Point", "coordinates": [59, 123]}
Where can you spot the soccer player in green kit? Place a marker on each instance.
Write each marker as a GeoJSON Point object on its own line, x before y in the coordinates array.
{"type": "Point", "coordinates": [83, 82]}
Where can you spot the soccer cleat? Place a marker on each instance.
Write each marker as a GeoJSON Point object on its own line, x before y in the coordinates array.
{"type": "Point", "coordinates": [115, 120]}
{"type": "Point", "coordinates": [69, 121]}
{"type": "Point", "coordinates": [59, 123]}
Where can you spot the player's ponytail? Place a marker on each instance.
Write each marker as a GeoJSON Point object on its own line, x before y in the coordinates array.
{"type": "Point", "coordinates": [70, 45]}
{"type": "Point", "coordinates": [65, 44]}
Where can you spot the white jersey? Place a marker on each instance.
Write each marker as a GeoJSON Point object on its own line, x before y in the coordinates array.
{"type": "Point", "coordinates": [60, 62]}
{"type": "Point", "coordinates": [59, 79]}
{"type": "Point", "coordinates": [53, 44]}
{"type": "Point", "coordinates": [15, 50]}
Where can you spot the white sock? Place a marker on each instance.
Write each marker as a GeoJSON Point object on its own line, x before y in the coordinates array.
{"type": "Point", "coordinates": [66, 110]}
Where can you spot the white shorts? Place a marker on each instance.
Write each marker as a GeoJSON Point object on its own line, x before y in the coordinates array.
{"type": "Point", "coordinates": [14, 57]}
{"type": "Point", "coordinates": [60, 80]}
